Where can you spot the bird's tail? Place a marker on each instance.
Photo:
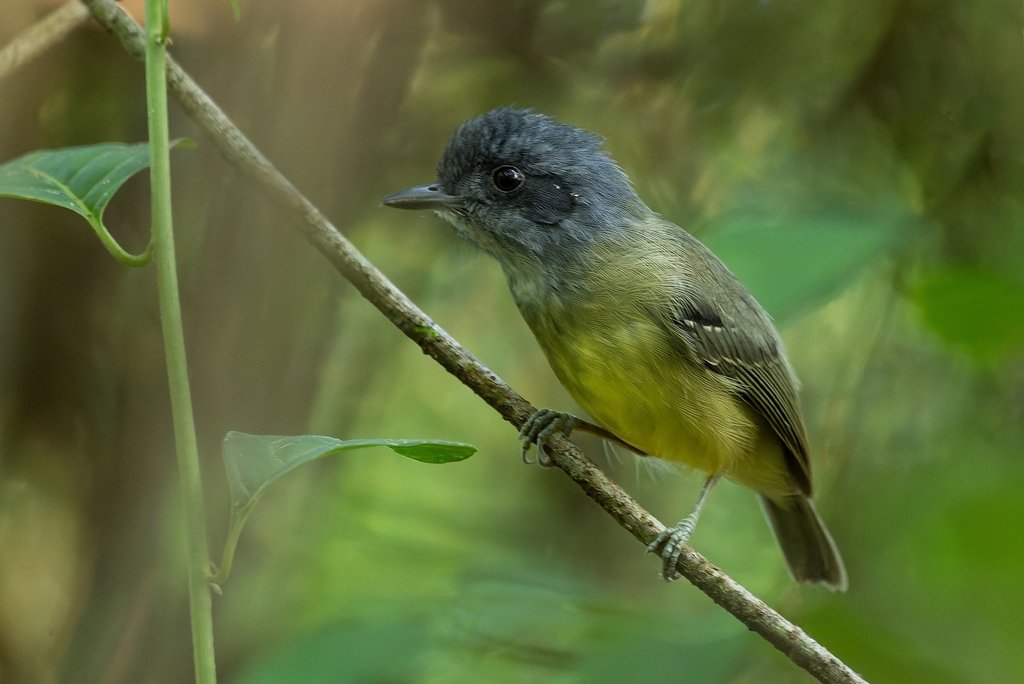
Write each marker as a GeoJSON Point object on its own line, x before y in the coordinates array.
{"type": "Point", "coordinates": [810, 553]}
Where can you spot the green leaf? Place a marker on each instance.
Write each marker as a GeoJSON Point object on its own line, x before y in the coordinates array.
{"type": "Point", "coordinates": [791, 264]}
{"type": "Point", "coordinates": [253, 462]}
{"type": "Point", "coordinates": [981, 313]}
{"type": "Point", "coordinates": [82, 179]}
{"type": "Point", "coordinates": [234, 8]}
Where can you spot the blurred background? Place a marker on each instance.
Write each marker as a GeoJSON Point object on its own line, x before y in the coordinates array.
{"type": "Point", "coordinates": [860, 165]}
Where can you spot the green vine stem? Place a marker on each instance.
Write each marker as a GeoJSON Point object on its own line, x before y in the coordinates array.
{"type": "Point", "coordinates": [174, 343]}
{"type": "Point", "coordinates": [215, 575]}
{"type": "Point", "coordinates": [117, 251]}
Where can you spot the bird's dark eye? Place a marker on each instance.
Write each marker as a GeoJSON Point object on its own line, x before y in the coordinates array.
{"type": "Point", "coordinates": [507, 178]}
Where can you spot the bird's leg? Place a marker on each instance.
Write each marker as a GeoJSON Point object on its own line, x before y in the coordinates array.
{"type": "Point", "coordinates": [546, 422]}
{"type": "Point", "coordinates": [584, 426]}
{"type": "Point", "coordinates": [539, 427]}
{"type": "Point", "coordinates": [669, 544]}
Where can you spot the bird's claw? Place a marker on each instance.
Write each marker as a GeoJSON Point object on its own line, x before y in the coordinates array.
{"type": "Point", "coordinates": [543, 460]}
{"type": "Point", "coordinates": [539, 427]}
{"type": "Point", "coordinates": [670, 544]}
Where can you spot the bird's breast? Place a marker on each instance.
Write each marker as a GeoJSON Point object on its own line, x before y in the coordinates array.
{"type": "Point", "coordinates": [634, 380]}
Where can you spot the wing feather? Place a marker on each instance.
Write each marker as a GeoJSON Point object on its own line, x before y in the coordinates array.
{"type": "Point", "coordinates": [753, 358]}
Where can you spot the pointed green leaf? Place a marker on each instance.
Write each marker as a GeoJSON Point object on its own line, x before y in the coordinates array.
{"type": "Point", "coordinates": [253, 462]}
{"type": "Point", "coordinates": [82, 179]}
{"type": "Point", "coordinates": [426, 451]}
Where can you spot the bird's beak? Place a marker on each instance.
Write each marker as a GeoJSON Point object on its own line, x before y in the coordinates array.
{"type": "Point", "coordinates": [430, 196]}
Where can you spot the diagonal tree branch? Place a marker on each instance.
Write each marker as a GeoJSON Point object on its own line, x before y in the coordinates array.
{"type": "Point", "coordinates": [41, 35]}
{"type": "Point", "coordinates": [436, 343]}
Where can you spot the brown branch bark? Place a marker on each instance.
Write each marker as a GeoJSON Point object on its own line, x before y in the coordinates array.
{"type": "Point", "coordinates": [436, 343]}
{"type": "Point", "coordinates": [41, 35]}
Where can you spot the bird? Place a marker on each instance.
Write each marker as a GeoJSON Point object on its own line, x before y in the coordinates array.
{"type": "Point", "coordinates": [649, 332]}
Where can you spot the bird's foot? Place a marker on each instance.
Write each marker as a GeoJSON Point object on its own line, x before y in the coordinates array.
{"type": "Point", "coordinates": [539, 427]}
{"type": "Point", "coordinates": [669, 545]}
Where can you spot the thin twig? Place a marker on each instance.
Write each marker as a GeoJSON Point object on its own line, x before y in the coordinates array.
{"type": "Point", "coordinates": [41, 35]}
{"type": "Point", "coordinates": [437, 344]}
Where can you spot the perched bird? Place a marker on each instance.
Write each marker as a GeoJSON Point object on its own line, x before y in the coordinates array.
{"type": "Point", "coordinates": [647, 329]}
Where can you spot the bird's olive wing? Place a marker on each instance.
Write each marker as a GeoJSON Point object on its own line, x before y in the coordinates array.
{"type": "Point", "coordinates": [752, 357]}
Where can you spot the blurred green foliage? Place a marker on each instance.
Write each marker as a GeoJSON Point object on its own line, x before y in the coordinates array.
{"type": "Point", "coordinates": [790, 264]}
{"type": "Point", "coordinates": [982, 313]}
{"type": "Point", "coordinates": [861, 167]}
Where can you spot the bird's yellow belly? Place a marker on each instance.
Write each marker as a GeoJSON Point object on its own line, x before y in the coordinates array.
{"type": "Point", "coordinates": [635, 384]}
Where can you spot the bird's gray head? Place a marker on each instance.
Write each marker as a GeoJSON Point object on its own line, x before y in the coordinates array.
{"type": "Point", "coordinates": [527, 189]}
